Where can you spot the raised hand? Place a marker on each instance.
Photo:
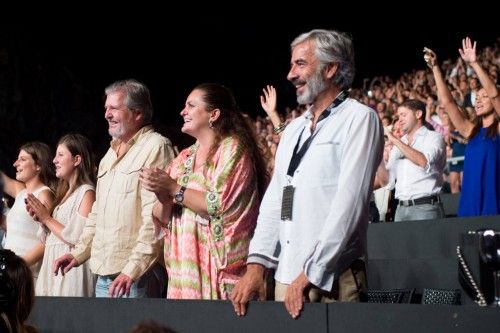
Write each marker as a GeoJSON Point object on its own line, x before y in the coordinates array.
{"type": "Point", "coordinates": [268, 100]}
{"type": "Point", "coordinates": [430, 57]}
{"type": "Point", "coordinates": [468, 50]}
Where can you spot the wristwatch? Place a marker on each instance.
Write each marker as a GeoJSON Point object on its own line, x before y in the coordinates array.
{"type": "Point", "coordinates": [179, 196]}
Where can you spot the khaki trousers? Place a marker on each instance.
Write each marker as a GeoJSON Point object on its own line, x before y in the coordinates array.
{"type": "Point", "coordinates": [349, 287]}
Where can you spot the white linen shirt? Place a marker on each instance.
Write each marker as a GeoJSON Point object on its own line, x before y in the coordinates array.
{"type": "Point", "coordinates": [333, 184]}
{"type": "Point", "coordinates": [413, 181]}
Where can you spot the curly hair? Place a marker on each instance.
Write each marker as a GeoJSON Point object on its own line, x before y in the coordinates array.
{"type": "Point", "coordinates": [231, 122]}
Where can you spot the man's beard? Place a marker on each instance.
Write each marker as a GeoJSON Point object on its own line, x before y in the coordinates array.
{"type": "Point", "coordinates": [117, 133]}
{"type": "Point", "coordinates": [315, 85]}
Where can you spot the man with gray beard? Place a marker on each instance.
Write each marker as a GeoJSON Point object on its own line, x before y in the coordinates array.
{"type": "Point", "coordinates": [314, 216]}
{"type": "Point", "coordinates": [119, 235]}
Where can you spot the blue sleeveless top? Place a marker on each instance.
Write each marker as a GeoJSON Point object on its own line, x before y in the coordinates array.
{"type": "Point", "coordinates": [481, 182]}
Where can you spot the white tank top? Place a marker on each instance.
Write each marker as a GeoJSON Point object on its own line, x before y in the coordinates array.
{"type": "Point", "coordinates": [22, 229]}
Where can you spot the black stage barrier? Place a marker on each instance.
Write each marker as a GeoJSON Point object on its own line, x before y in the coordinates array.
{"type": "Point", "coordinates": [409, 318]}
{"type": "Point", "coordinates": [419, 254]}
{"type": "Point", "coordinates": [450, 203]}
{"type": "Point", "coordinates": [91, 315]}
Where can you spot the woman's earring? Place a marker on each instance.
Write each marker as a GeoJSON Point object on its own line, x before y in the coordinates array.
{"type": "Point", "coordinates": [210, 123]}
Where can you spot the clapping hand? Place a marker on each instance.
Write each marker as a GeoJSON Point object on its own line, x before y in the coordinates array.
{"type": "Point", "coordinates": [36, 209]}
{"type": "Point", "coordinates": [158, 181]}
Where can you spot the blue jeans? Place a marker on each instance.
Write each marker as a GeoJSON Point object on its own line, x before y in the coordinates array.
{"type": "Point", "coordinates": [151, 284]}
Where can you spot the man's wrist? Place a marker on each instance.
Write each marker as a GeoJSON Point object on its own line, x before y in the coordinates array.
{"type": "Point", "coordinates": [256, 269]}
{"type": "Point", "coordinates": [304, 280]}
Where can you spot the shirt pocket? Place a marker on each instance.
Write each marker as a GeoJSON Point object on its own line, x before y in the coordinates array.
{"type": "Point", "coordinates": [323, 165]}
{"type": "Point", "coordinates": [127, 179]}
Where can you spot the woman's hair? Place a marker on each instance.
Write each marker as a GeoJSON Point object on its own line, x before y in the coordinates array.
{"type": "Point", "coordinates": [266, 153]}
{"type": "Point", "coordinates": [231, 122]}
{"type": "Point", "coordinates": [77, 144]}
{"type": "Point", "coordinates": [21, 289]}
{"type": "Point", "coordinates": [42, 155]}
{"type": "Point", "coordinates": [491, 131]}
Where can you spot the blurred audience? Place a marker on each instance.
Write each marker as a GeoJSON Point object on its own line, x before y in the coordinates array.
{"type": "Point", "coordinates": [481, 179]}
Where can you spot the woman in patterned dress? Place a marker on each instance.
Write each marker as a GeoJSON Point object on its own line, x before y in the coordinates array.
{"type": "Point", "coordinates": [209, 197]}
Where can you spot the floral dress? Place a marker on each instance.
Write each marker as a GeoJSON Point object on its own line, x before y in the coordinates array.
{"type": "Point", "coordinates": [205, 255]}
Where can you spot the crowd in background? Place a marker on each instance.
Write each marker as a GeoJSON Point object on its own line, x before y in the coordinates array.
{"type": "Point", "coordinates": [385, 94]}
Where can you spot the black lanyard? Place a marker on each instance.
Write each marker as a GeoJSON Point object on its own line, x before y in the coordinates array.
{"type": "Point", "coordinates": [298, 155]}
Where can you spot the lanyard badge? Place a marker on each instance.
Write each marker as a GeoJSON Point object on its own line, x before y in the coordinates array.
{"type": "Point", "coordinates": [287, 203]}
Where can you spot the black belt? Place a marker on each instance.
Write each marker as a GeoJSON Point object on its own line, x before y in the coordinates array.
{"type": "Point", "coordinates": [432, 199]}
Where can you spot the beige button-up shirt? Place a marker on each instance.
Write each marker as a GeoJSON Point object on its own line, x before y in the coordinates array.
{"type": "Point", "coordinates": [119, 233]}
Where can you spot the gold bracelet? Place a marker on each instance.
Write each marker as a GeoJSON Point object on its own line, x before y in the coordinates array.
{"type": "Point", "coordinates": [280, 128]}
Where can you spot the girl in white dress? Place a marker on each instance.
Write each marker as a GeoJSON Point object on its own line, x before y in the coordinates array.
{"type": "Point", "coordinates": [35, 175]}
{"type": "Point", "coordinates": [75, 195]}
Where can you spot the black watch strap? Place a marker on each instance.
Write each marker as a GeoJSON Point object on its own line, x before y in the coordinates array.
{"type": "Point", "coordinates": [179, 196]}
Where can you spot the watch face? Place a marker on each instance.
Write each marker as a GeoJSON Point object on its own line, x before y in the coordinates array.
{"type": "Point", "coordinates": [179, 196]}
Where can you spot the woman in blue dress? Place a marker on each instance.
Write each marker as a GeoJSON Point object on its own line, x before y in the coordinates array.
{"type": "Point", "coordinates": [481, 179]}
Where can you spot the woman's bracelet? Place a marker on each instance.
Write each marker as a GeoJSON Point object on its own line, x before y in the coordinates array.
{"type": "Point", "coordinates": [280, 128]}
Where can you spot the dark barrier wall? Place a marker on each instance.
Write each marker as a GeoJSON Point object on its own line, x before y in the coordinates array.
{"type": "Point", "coordinates": [419, 254]}
{"type": "Point", "coordinates": [53, 314]}
{"type": "Point", "coordinates": [409, 318]}
{"type": "Point", "coordinates": [91, 315]}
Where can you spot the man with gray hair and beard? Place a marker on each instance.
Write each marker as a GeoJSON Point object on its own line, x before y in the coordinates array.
{"type": "Point", "coordinates": [119, 235]}
{"type": "Point", "coordinates": [314, 216]}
